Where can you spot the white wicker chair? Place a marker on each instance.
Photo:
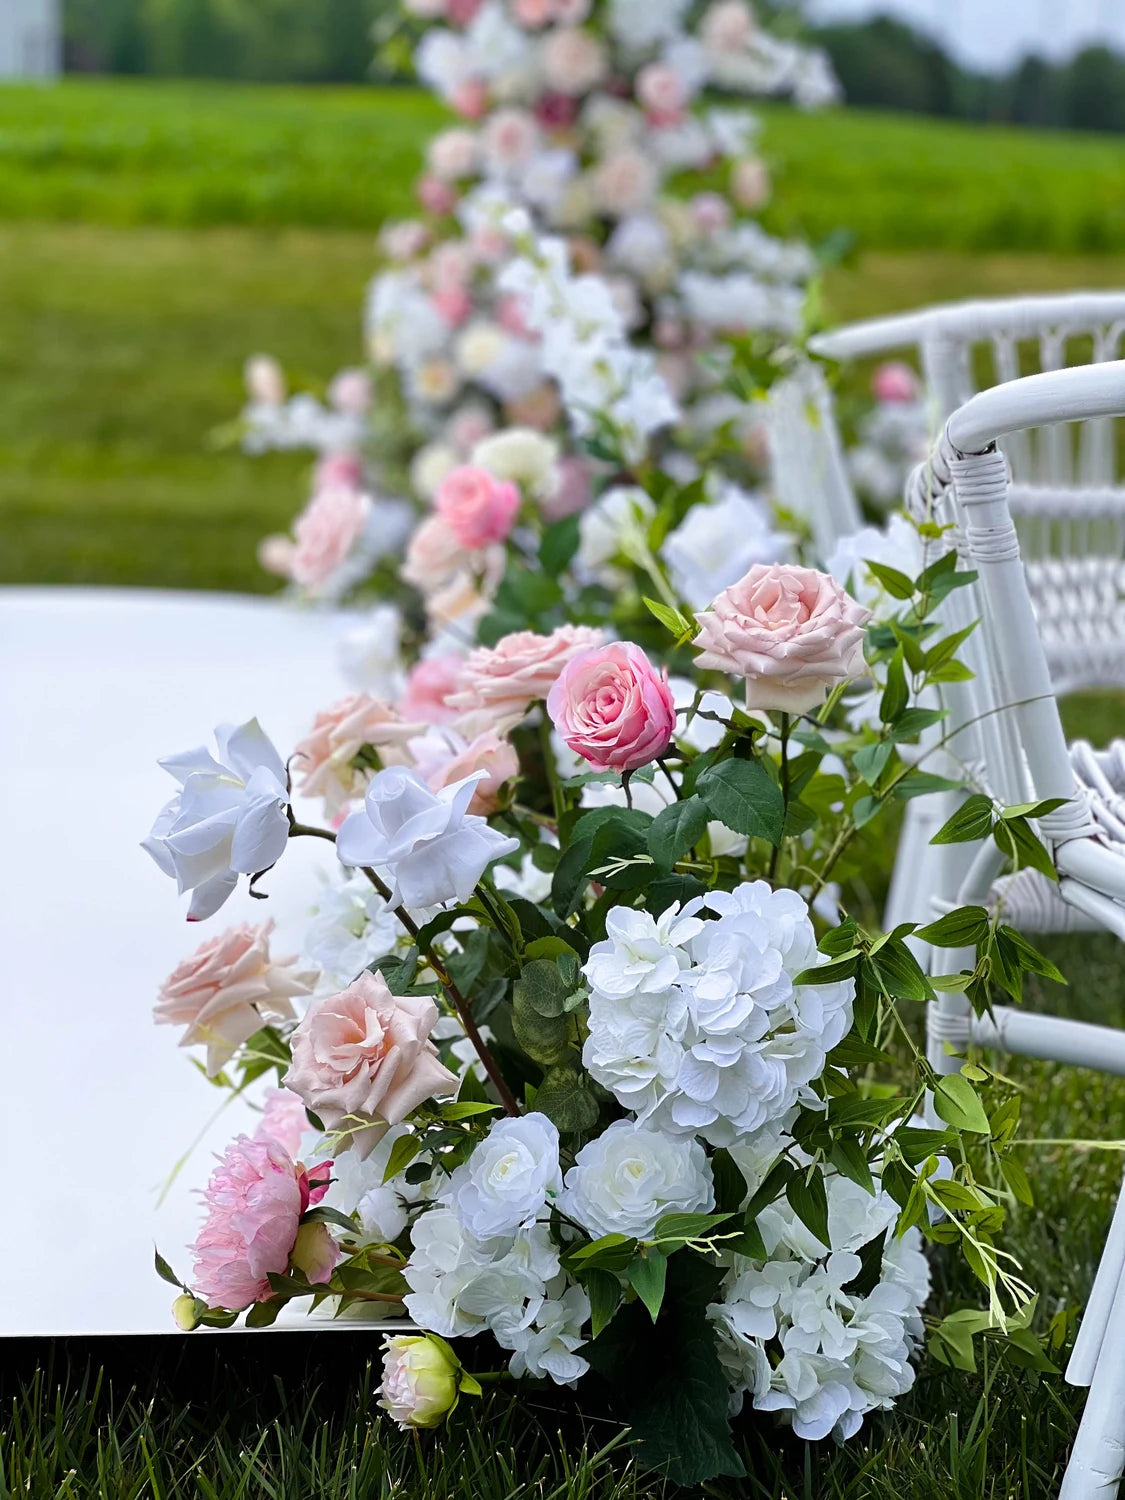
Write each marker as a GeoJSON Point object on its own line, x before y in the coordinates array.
{"type": "Point", "coordinates": [809, 475]}
{"type": "Point", "coordinates": [1070, 515]}
{"type": "Point", "coordinates": [1006, 728]}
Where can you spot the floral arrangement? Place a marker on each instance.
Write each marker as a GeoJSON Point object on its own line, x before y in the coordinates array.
{"type": "Point", "coordinates": [582, 120]}
{"type": "Point", "coordinates": [592, 1054]}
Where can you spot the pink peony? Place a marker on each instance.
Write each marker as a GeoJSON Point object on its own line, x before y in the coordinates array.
{"type": "Point", "coordinates": [501, 682]}
{"type": "Point", "coordinates": [228, 989]}
{"type": "Point", "coordinates": [325, 756]}
{"type": "Point", "coordinates": [255, 1200]}
{"type": "Point", "coordinates": [283, 1120]}
{"type": "Point", "coordinates": [363, 1059]}
{"type": "Point", "coordinates": [428, 687]}
{"type": "Point", "coordinates": [894, 381]}
{"type": "Point", "coordinates": [792, 632]}
{"type": "Point", "coordinates": [477, 507]}
{"type": "Point", "coordinates": [325, 532]}
{"type": "Point", "coordinates": [613, 708]}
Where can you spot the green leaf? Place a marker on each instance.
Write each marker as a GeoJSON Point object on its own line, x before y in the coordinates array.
{"type": "Point", "coordinates": [809, 1201]}
{"type": "Point", "coordinates": [165, 1271]}
{"type": "Point", "coordinates": [564, 1098]}
{"type": "Point", "coordinates": [659, 894]}
{"type": "Point", "coordinates": [541, 988]}
{"type": "Point", "coordinates": [922, 784]}
{"type": "Point", "coordinates": [896, 694]}
{"type": "Point", "coordinates": [648, 1275]}
{"type": "Point", "coordinates": [403, 1152]}
{"type": "Point", "coordinates": [558, 545]}
{"type": "Point", "coordinates": [850, 1160]}
{"type": "Point", "coordinates": [262, 1314]}
{"type": "Point", "coordinates": [963, 928]}
{"type": "Point", "coordinates": [911, 722]}
{"type": "Point", "coordinates": [1017, 839]}
{"type": "Point", "coordinates": [1032, 809]}
{"type": "Point", "coordinates": [545, 1039]}
{"type": "Point", "coordinates": [677, 829]}
{"type": "Point", "coordinates": [899, 973]}
{"type": "Point", "coordinates": [870, 760]}
{"type": "Point", "coordinates": [1014, 1175]}
{"type": "Point", "coordinates": [323, 1214]}
{"type": "Point", "coordinates": [666, 1382]}
{"type": "Point", "coordinates": [957, 1102]}
{"type": "Point", "coordinates": [675, 1230]}
{"type": "Point", "coordinates": [744, 797]}
{"type": "Point", "coordinates": [917, 1143]}
{"type": "Point", "coordinates": [1030, 958]}
{"type": "Point", "coordinates": [971, 821]}
{"type": "Point", "coordinates": [896, 584]}
{"type": "Point", "coordinates": [465, 1109]}
{"type": "Point", "coordinates": [612, 1252]}
{"type": "Point", "coordinates": [604, 1292]}
{"type": "Point", "coordinates": [730, 1184]}
{"type": "Point", "coordinates": [867, 1278]}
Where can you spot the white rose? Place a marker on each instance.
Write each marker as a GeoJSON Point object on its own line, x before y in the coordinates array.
{"type": "Point", "coordinates": [228, 819]}
{"type": "Point", "coordinates": [428, 842]}
{"type": "Point", "coordinates": [627, 1179]}
{"type": "Point", "coordinates": [716, 544]}
{"type": "Point", "coordinates": [613, 526]}
{"type": "Point", "coordinates": [509, 1177]}
{"type": "Point", "coordinates": [520, 454]}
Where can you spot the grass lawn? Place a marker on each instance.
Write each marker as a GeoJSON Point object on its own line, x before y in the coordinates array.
{"type": "Point", "coordinates": [151, 236]}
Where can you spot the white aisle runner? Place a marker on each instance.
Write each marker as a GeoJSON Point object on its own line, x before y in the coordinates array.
{"type": "Point", "coordinates": [98, 1103]}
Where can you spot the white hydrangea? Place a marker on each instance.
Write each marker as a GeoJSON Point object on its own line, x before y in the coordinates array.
{"type": "Point", "coordinates": [697, 1025]}
{"type": "Point", "coordinates": [842, 1354]}
{"type": "Point", "coordinates": [547, 1347]}
{"type": "Point", "coordinates": [461, 1286]}
{"type": "Point", "coordinates": [626, 1179]}
{"type": "Point", "coordinates": [351, 927]}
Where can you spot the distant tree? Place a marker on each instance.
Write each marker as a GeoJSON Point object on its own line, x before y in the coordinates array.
{"type": "Point", "coordinates": [886, 63]}
{"type": "Point", "coordinates": [1094, 90]}
{"type": "Point", "coordinates": [1033, 93]}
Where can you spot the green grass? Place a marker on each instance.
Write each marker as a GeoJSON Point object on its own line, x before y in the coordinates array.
{"type": "Point", "coordinates": [177, 153]}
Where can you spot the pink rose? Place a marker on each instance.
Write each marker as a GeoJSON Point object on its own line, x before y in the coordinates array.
{"type": "Point", "coordinates": [428, 687]}
{"type": "Point", "coordinates": [501, 682]}
{"type": "Point", "coordinates": [487, 752]}
{"type": "Point", "coordinates": [613, 708]}
{"type": "Point", "coordinates": [573, 61]}
{"type": "Point", "coordinates": [325, 532]}
{"type": "Point", "coordinates": [364, 1057]}
{"type": "Point", "coordinates": [477, 507]}
{"type": "Point", "coordinates": [433, 556]}
{"type": "Point", "coordinates": [404, 240]}
{"type": "Point", "coordinates": [283, 1120]}
{"type": "Point", "coordinates": [792, 632]}
{"type": "Point", "coordinates": [468, 425]}
{"type": "Point", "coordinates": [435, 196]}
{"type": "Point", "coordinates": [254, 1200]}
{"type": "Point", "coordinates": [453, 305]}
{"type": "Point", "coordinates": [572, 489]}
{"type": "Point", "coordinates": [325, 757]}
{"type": "Point", "coordinates": [470, 98]}
{"type": "Point", "coordinates": [339, 471]}
{"type": "Point", "coordinates": [452, 154]}
{"type": "Point", "coordinates": [894, 381]}
{"type": "Point", "coordinates": [350, 392]}
{"type": "Point", "coordinates": [710, 212]}
{"type": "Point", "coordinates": [532, 14]}
{"type": "Point", "coordinates": [228, 989]}
{"type": "Point", "coordinates": [625, 182]}
{"type": "Point", "coordinates": [510, 139]}
{"type": "Point", "coordinates": [662, 93]}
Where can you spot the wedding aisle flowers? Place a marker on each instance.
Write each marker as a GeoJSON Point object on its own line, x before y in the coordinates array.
{"type": "Point", "coordinates": [608, 1067]}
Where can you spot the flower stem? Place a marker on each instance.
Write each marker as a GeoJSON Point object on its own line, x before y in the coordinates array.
{"type": "Point", "coordinates": [776, 854]}
{"type": "Point", "coordinates": [453, 994]}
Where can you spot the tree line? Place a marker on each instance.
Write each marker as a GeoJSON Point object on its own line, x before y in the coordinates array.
{"type": "Point", "coordinates": [882, 63]}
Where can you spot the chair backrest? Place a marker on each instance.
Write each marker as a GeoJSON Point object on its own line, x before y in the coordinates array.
{"type": "Point", "coordinates": [964, 347]}
{"type": "Point", "coordinates": [810, 477]}
{"type": "Point", "coordinates": [1007, 717]}
{"type": "Point", "coordinates": [1066, 496]}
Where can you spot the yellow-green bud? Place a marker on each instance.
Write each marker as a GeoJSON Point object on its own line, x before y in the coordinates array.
{"type": "Point", "coordinates": [421, 1377]}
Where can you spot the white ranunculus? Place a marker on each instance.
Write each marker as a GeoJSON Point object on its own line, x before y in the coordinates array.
{"type": "Point", "coordinates": [626, 1179]}
{"type": "Point", "coordinates": [429, 844]}
{"type": "Point", "coordinates": [228, 819]}
{"type": "Point", "coordinates": [509, 1178]}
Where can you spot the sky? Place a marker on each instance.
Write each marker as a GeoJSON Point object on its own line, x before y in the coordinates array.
{"type": "Point", "coordinates": [992, 34]}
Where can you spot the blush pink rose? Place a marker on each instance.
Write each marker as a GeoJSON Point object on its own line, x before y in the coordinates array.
{"type": "Point", "coordinates": [325, 532]}
{"type": "Point", "coordinates": [254, 1201]}
{"type": "Point", "coordinates": [363, 1060]}
{"type": "Point", "coordinates": [662, 93]}
{"type": "Point", "coordinates": [453, 305]}
{"type": "Point", "coordinates": [894, 381]}
{"type": "Point", "coordinates": [344, 470]}
{"type": "Point", "coordinates": [488, 752]}
{"type": "Point", "coordinates": [325, 757]}
{"type": "Point", "coordinates": [434, 556]}
{"type": "Point", "coordinates": [613, 708]}
{"type": "Point", "coordinates": [791, 632]}
{"type": "Point", "coordinates": [351, 392]}
{"type": "Point", "coordinates": [573, 61]}
{"type": "Point", "coordinates": [228, 989]}
{"type": "Point", "coordinates": [470, 98]}
{"type": "Point", "coordinates": [428, 687]}
{"type": "Point", "coordinates": [453, 154]}
{"type": "Point", "coordinates": [477, 507]}
{"type": "Point", "coordinates": [501, 682]}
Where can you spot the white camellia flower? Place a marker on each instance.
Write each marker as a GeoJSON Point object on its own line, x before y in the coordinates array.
{"type": "Point", "coordinates": [509, 1177]}
{"type": "Point", "coordinates": [228, 819]}
{"type": "Point", "coordinates": [431, 846]}
{"type": "Point", "coordinates": [629, 1177]}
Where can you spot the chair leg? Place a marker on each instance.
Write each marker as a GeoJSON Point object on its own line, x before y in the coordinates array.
{"type": "Point", "coordinates": [1095, 1319]}
{"type": "Point", "coordinates": [1097, 1459]}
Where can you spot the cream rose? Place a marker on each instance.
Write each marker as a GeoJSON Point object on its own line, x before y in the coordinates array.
{"type": "Point", "coordinates": [791, 632]}
{"type": "Point", "coordinates": [363, 1060]}
{"type": "Point", "coordinates": [228, 989]}
{"type": "Point", "coordinates": [325, 756]}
